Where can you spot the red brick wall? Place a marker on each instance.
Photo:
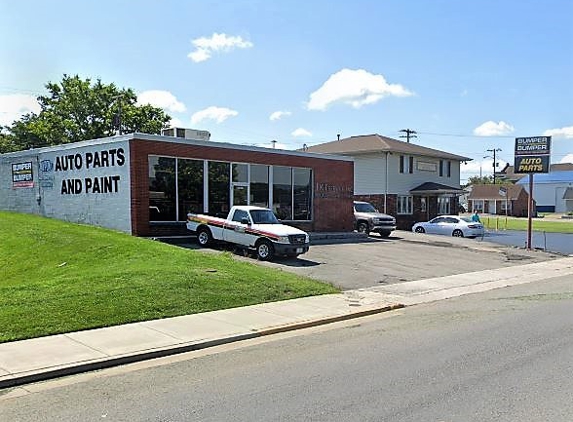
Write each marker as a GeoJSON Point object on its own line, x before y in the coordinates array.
{"type": "Point", "coordinates": [333, 184]}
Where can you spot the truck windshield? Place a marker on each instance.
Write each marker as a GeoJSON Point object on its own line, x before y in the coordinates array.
{"type": "Point", "coordinates": [263, 217]}
{"type": "Point", "coordinates": [366, 207]}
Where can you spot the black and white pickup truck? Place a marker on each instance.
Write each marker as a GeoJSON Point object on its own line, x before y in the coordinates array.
{"type": "Point", "coordinates": [254, 228]}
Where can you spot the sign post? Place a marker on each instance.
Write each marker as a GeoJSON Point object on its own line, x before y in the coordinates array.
{"type": "Point", "coordinates": [532, 155]}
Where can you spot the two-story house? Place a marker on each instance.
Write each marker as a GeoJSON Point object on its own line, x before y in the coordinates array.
{"type": "Point", "coordinates": [411, 182]}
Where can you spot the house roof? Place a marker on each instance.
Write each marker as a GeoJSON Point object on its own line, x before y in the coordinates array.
{"type": "Point", "coordinates": [552, 177]}
{"type": "Point", "coordinates": [362, 144]}
{"type": "Point", "coordinates": [491, 191]}
{"type": "Point", "coordinates": [436, 189]}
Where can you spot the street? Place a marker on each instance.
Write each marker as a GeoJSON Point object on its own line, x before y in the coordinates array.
{"type": "Point", "coordinates": [503, 355]}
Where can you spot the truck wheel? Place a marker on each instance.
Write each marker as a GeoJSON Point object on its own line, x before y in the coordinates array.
{"type": "Point", "coordinates": [204, 237]}
{"type": "Point", "coordinates": [265, 250]}
{"type": "Point", "coordinates": [363, 227]}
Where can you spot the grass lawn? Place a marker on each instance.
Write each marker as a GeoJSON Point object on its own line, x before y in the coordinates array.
{"type": "Point", "coordinates": [538, 224]}
{"type": "Point", "coordinates": [58, 277]}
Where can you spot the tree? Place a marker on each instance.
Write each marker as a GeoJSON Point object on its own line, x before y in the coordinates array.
{"type": "Point", "coordinates": [77, 110]}
{"type": "Point", "coordinates": [477, 180]}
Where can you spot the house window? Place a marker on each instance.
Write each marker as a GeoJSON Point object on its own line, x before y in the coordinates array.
{"type": "Point", "coordinates": [162, 189]}
{"type": "Point", "coordinates": [449, 169]}
{"type": "Point", "coordinates": [443, 204]}
{"type": "Point", "coordinates": [406, 164]}
{"type": "Point", "coordinates": [441, 168]}
{"type": "Point", "coordinates": [404, 205]}
{"type": "Point", "coordinates": [478, 205]}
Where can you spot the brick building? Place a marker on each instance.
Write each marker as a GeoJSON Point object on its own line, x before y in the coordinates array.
{"type": "Point", "coordinates": [499, 199]}
{"type": "Point", "coordinates": [145, 184]}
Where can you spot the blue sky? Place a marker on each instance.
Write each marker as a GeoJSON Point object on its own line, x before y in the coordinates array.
{"type": "Point", "coordinates": [468, 76]}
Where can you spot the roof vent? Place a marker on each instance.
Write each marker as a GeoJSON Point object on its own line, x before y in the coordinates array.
{"type": "Point", "coordinates": [194, 134]}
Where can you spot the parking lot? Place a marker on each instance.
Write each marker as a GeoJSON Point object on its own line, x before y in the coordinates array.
{"type": "Point", "coordinates": [404, 256]}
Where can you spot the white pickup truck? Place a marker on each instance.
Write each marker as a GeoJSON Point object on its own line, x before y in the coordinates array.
{"type": "Point", "coordinates": [254, 228]}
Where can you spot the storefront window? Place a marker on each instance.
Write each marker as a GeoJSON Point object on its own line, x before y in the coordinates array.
{"type": "Point", "coordinates": [259, 185]}
{"type": "Point", "coordinates": [219, 180]}
{"type": "Point", "coordinates": [162, 193]}
{"type": "Point", "coordinates": [302, 193]}
{"type": "Point", "coordinates": [190, 185]}
{"type": "Point", "coordinates": [404, 205]}
{"type": "Point", "coordinates": [282, 192]}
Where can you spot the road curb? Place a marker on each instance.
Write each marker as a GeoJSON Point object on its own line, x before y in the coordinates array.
{"type": "Point", "coordinates": [74, 369]}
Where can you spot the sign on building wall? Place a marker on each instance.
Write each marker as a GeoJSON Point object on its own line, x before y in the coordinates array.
{"type": "Point", "coordinates": [22, 175]}
{"type": "Point", "coordinates": [532, 154]}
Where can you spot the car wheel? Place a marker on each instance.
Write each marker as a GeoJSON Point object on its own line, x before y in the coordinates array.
{"type": "Point", "coordinates": [420, 230]}
{"type": "Point", "coordinates": [362, 227]}
{"type": "Point", "coordinates": [458, 233]}
{"type": "Point", "coordinates": [265, 250]}
{"type": "Point", "coordinates": [204, 237]}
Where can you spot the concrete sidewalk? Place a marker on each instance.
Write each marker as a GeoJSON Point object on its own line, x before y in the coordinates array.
{"type": "Point", "coordinates": [43, 358]}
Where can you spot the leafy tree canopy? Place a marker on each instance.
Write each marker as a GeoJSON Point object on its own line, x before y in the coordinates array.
{"type": "Point", "coordinates": [76, 110]}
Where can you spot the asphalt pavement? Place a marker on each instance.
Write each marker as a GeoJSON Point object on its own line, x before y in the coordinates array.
{"type": "Point", "coordinates": [43, 358]}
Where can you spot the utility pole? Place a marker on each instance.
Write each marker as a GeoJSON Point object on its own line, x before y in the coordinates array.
{"type": "Point", "coordinates": [494, 150]}
{"type": "Point", "coordinates": [117, 117]}
{"type": "Point", "coordinates": [409, 134]}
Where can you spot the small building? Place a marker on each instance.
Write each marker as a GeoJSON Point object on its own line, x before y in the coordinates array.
{"type": "Point", "coordinates": [409, 181]}
{"type": "Point", "coordinates": [553, 191]}
{"type": "Point", "coordinates": [146, 184]}
{"type": "Point", "coordinates": [509, 200]}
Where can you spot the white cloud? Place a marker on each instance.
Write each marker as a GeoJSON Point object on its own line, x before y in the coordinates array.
{"type": "Point", "coordinates": [218, 114]}
{"type": "Point", "coordinates": [567, 159]}
{"type": "Point", "coordinates": [277, 115]}
{"type": "Point", "coordinates": [491, 128]}
{"type": "Point", "coordinates": [205, 47]}
{"type": "Point", "coordinates": [14, 106]}
{"type": "Point", "coordinates": [175, 122]}
{"type": "Point", "coordinates": [356, 88]}
{"type": "Point", "coordinates": [483, 168]}
{"type": "Point", "coordinates": [300, 132]}
{"type": "Point", "coordinates": [163, 99]}
{"type": "Point", "coordinates": [564, 132]}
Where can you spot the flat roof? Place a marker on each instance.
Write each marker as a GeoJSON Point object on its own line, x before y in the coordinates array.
{"type": "Point", "coordinates": [172, 139]}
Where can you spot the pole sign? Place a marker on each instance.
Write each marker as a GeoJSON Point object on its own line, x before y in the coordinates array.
{"type": "Point", "coordinates": [532, 155]}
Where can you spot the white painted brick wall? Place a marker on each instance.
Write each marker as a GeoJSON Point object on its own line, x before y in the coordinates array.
{"type": "Point", "coordinates": [110, 209]}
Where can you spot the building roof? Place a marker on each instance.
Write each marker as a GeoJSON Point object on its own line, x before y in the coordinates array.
{"type": "Point", "coordinates": [173, 139]}
{"type": "Point", "coordinates": [553, 177]}
{"type": "Point", "coordinates": [436, 189]}
{"type": "Point", "coordinates": [362, 144]}
{"type": "Point", "coordinates": [492, 192]}
{"type": "Point", "coordinates": [508, 171]}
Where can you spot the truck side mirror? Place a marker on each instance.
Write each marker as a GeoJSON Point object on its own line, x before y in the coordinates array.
{"type": "Point", "coordinates": [244, 220]}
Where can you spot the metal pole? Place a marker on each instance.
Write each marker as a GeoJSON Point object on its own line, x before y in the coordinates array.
{"type": "Point", "coordinates": [529, 211]}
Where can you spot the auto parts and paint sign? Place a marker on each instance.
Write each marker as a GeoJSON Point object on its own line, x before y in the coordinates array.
{"type": "Point", "coordinates": [22, 175]}
{"type": "Point", "coordinates": [90, 164]}
{"type": "Point", "coordinates": [532, 154]}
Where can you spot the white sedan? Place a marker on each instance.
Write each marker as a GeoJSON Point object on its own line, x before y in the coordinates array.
{"type": "Point", "coordinates": [450, 225]}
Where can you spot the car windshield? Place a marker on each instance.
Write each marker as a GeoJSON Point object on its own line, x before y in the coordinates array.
{"type": "Point", "coordinates": [365, 207]}
{"type": "Point", "coordinates": [264, 217]}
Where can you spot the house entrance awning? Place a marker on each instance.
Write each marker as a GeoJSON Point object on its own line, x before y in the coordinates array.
{"type": "Point", "coordinates": [431, 188]}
